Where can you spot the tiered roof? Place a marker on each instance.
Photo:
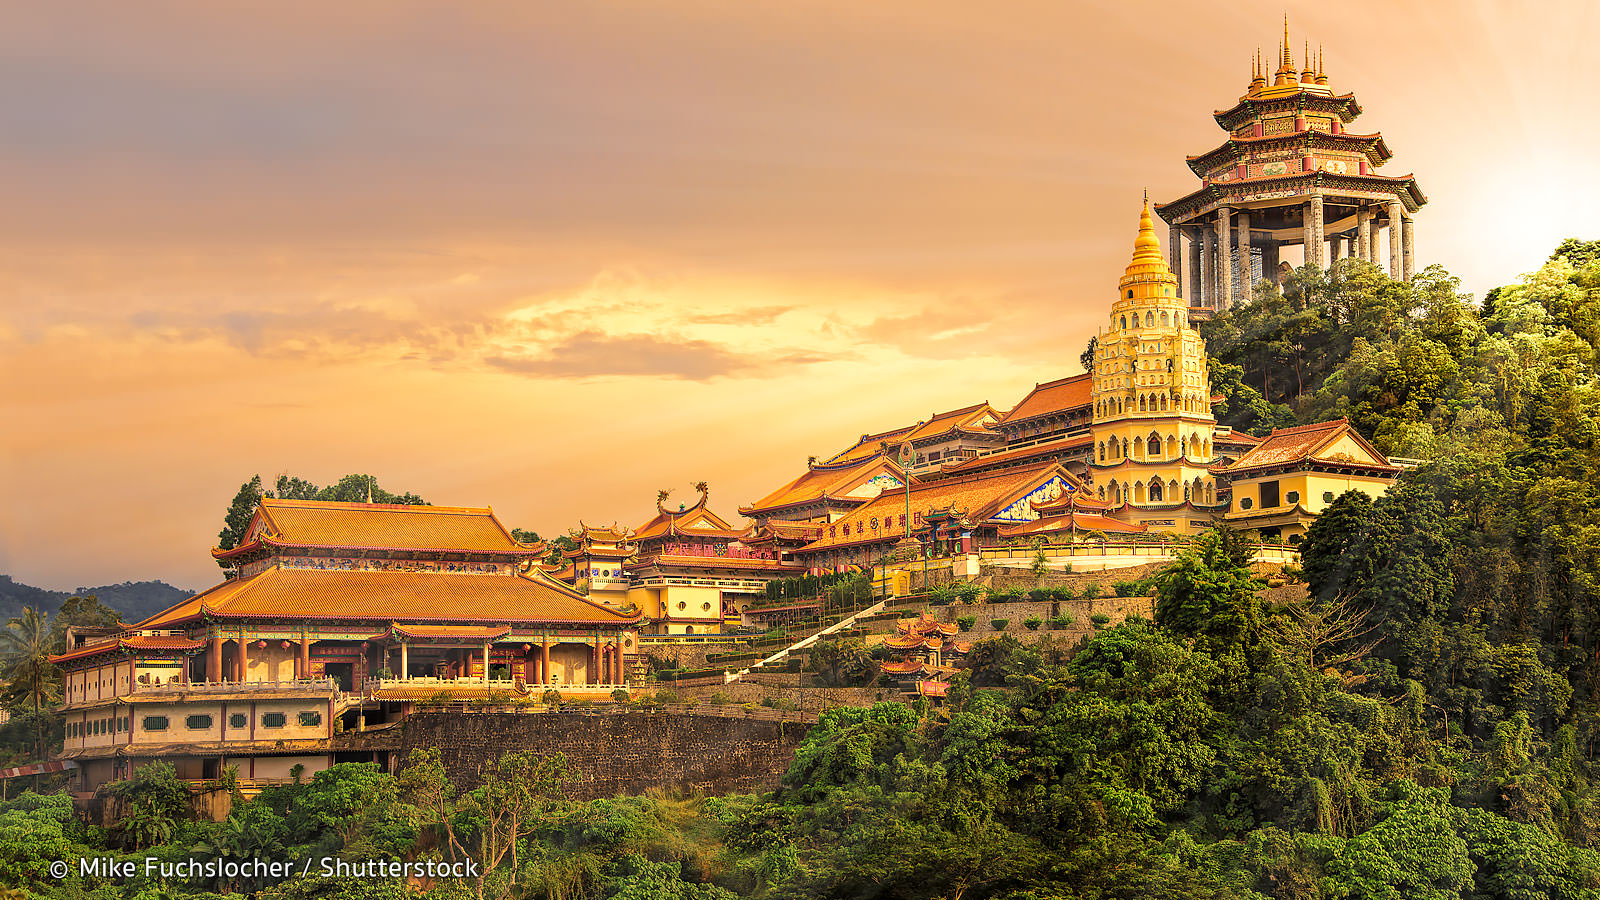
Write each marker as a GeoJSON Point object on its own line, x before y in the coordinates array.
{"type": "Point", "coordinates": [422, 597]}
{"type": "Point", "coordinates": [828, 482]}
{"type": "Point", "coordinates": [1053, 397]}
{"type": "Point", "coordinates": [1333, 444]}
{"type": "Point", "coordinates": [137, 643]}
{"type": "Point", "coordinates": [693, 521]}
{"type": "Point", "coordinates": [314, 525]}
{"type": "Point", "coordinates": [980, 496]}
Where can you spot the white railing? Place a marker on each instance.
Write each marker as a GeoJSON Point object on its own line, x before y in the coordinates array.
{"type": "Point", "coordinates": [374, 685]}
{"type": "Point", "coordinates": [233, 687]}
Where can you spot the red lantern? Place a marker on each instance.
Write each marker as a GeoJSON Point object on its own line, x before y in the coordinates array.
{"type": "Point", "coordinates": [526, 647]}
{"type": "Point", "coordinates": [261, 645]}
{"type": "Point", "coordinates": [284, 645]}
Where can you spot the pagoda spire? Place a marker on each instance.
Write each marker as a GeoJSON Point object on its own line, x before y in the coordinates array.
{"type": "Point", "coordinates": [1285, 73]}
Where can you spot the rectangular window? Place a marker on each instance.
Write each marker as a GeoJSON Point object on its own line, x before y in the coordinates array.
{"type": "Point", "coordinates": [1269, 494]}
{"type": "Point", "coordinates": [237, 720]}
{"type": "Point", "coordinates": [197, 723]}
{"type": "Point", "coordinates": [155, 723]}
{"type": "Point", "coordinates": [274, 720]}
{"type": "Point", "coordinates": [311, 718]}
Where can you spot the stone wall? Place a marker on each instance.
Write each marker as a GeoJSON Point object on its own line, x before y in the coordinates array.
{"type": "Point", "coordinates": [617, 753]}
{"type": "Point", "coordinates": [692, 656]}
{"type": "Point", "coordinates": [750, 689]}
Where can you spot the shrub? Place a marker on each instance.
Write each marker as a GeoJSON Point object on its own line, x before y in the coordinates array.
{"type": "Point", "coordinates": [1059, 622]}
{"type": "Point", "coordinates": [1032, 623]}
{"type": "Point", "coordinates": [1038, 593]}
{"type": "Point", "coordinates": [1100, 620]}
{"type": "Point", "coordinates": [999, 624]}
{"type": "Point", "coordinates": [718, 699]}
{"type": "Point", "coordinates": [552, 697]}
{"type": "Point", "coordinates": [967, 592]}
{"type": "Point", "coordinates": [1008, 595]}
{"type": "Point", "coordinates": [1090, 592]}
{"type": "Point", "coordinates": [620, 695]}
{"type": "Point", "coordinates": [965, 623]}
{"type": "Point", "coordinates": [666, 696]}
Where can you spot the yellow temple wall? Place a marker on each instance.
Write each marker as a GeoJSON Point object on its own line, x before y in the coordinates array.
{"type": "Point", "coordinates": [569, 663]}
{"type": "Point", "coordinates": [270, 663]}
{"type": "Point", "coordinates": [1310, 486]}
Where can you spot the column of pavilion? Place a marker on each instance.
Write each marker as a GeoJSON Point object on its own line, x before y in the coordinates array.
{"type": "Point", "coordinates": [1222, 248]}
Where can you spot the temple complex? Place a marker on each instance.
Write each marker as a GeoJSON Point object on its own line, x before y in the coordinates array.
{"type": "Point", "coordinates": [344, 613]}
{"type": "Point", "coordinates": [1289, 173]}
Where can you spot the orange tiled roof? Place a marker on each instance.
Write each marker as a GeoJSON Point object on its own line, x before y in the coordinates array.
{"type": "Point", "coordinates": [981, 496]}
{"type": "Point", "coordinates": [965, 418]}
{"type": "Point", "coordinates": [315, 523]}
{"type": "Point", "coordinates": [868, 445]}
{"type": "Point", "coordinates": [666, 522]}
{"type": "Point", "coordinates": [1074, 392]}
{"type": "Point", "coordinates": [1304, 444]}
{"type": "Point", "coordinates": [279, 593]}
{"type": "Point", "coordinates": [823, 481]}
{"type": "Point", "coordinates": [153, 642]}
{"type": "Point", "coordinates": [905, 668]}
{"type": "Point", "coordinates": [1004, 457]}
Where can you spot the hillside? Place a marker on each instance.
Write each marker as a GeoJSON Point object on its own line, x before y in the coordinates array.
{"type": "Point", "coordinates": [135, 600]}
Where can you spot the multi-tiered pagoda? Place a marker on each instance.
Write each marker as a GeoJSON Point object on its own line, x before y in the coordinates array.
{"type": "Point", "coordinates": [1289, 173]}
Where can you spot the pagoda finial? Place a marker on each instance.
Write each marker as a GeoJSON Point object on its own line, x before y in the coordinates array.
{"type": "Point", "coordinates": [1258, 72]}
{"type": "Point", "coordinates": [1322, 76]}
{"type": "Point", "coordinates": [1285, 73]}
{"type": "Point", "coordinates": [1308, 75]}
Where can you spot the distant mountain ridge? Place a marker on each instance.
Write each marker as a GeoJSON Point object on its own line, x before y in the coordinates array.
{"type": "Point", "coordinates": [135, 600]}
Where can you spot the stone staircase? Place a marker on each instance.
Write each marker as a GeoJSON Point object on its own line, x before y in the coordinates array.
{"type": "Point", "coordinates": [803, 643]}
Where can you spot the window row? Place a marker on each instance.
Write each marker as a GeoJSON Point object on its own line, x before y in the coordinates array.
{"type": "Point", "coordinates": [1150, 319]}
{"type": "Point", "coordinates": [307, 719]}
{"type": "Point", "coordinates": [1153, 448]}
{"type": "Point", "coordinates": [94, 727]}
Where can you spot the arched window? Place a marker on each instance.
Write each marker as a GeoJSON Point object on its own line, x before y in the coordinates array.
{"type": "Point", "coordinates": [1172, 488]}
{"type": "Point", "coordinates": [1149, 320]}
{"type": "Point", "coordinates": [1130, 293]}
{"type": "Point", "coordinates": [1141, 403]}
{"type": "Point", "coordinates": [1169, 366]}
{"type": "Point", "coordinates": [1155, 492]}
{"type": "Point", "coordinates": [1138, 492]}
{"type": "Point", "coordinates": [1153, 447]}
{"type": "Point", "coordinates": [1102, 448]}
{"type": "Point", "coordinates": [1163, 319]}
{"type": "Point", "coordinates": [1211, 493]}
{"type": "Point", "coordinates": [1163, 402]}
{"type": "Point", "coordinates": [1172, 446]}
{"type": "Point", "coordinates": [1124, 323]}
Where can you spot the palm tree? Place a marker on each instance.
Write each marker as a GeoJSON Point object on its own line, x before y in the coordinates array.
{"type": "Point", "coordinates": [25, 645]}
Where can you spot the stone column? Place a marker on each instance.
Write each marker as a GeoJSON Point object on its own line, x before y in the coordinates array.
{"type": "Point", "coordinates": [1408, 251]}
{"type": "Point", "coordinates": [214, 659]}
{"type": "Point", "coordinates": [1395, 230]}
{"type": "Point", "coordinates": [544, 661]}
{"type": "Point", "coordinates": [1247, 279]}
{"type": "Point", "coordinates": [594, 659]}
{"type": "Point", "coordinates": [1269, 260]}
{"type": "Point", "coordinates": [1224, 255]}
{"type": "Point", "coordinates": [486, 661]}
{"type": "Point", "coordinates": [1338, 247]}
{"type": "Point", "coordinates": [1364, 234]}
{"type": "Point", "coordinates": [1314, 237]}
{"type": "Point", "coordinates": [242, 664]}
{"type": "Point", "coordinates": [405, 660]}
{"type": "Point", "coordinates": [1175, 253]}
{"type": "Point", "coordinates": [1208, 266]}
{"type": "Point", "coordinates": [1195, 243]}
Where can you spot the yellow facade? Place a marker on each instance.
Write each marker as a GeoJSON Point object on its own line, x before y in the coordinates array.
{"type": "Point", "coordinates": [1153, 427]}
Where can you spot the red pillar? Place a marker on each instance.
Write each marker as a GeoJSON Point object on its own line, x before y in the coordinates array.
{"type": "Point", "coordinates": [243, 663]}
{"type": "Point", "coordinates": [214, 659]}
{"type": "Point", "coordinates": [544, 661]}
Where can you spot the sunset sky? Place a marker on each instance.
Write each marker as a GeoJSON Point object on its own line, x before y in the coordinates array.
{"type": "Point", "coordinates": [551, 257]}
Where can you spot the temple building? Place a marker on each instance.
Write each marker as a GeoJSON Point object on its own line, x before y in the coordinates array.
{"type": "Point", "coordinates": [1281, 486]}
{"type": "Point", "coordinates": [341, 613]}
{"type": "Point", "coordinates": [828, 490]}
{"type": "Point", "coordinates": [687, 571]}
{"type": "Point", "coordinates": [1153, 429]}
{"type": "Point", "coordinates": [1289, 173]}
